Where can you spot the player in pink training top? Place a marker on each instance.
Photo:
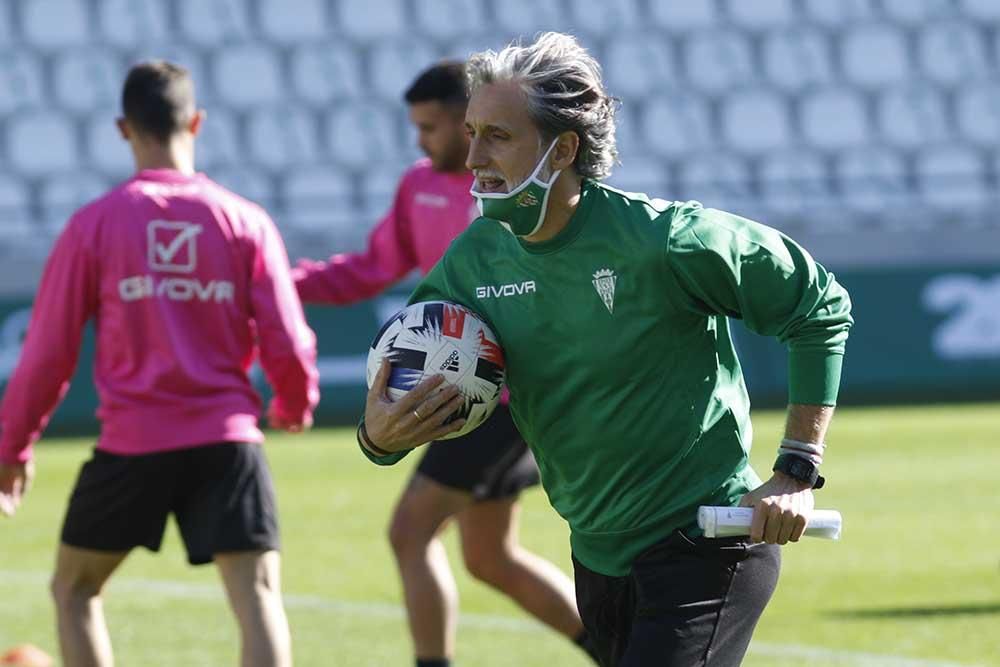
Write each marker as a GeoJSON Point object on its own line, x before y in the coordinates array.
{"type": "Point", "coordinates": [184, 280]}
{"type": "Point", "coordinates": [477, 478]}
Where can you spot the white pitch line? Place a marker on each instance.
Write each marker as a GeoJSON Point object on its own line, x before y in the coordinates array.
{"type": "Point", "coordinates": [390, 611]}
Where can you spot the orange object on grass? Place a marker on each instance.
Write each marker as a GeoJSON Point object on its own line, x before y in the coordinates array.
{"type": "Point", "coordinates": [26, 655]}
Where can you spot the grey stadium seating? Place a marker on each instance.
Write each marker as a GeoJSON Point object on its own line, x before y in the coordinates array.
{"type": "Point", "coordinates": [819, 116]}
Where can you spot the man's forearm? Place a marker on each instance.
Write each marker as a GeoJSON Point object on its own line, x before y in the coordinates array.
{"type": "Point", "coordinates": [808, 423]}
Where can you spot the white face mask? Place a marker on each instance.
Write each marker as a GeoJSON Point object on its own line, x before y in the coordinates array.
{"type": "Point", "coordinates": [522, 210]}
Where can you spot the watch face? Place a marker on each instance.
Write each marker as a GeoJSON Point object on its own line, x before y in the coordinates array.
{"type": "Point", "coordinates": [801, 468]}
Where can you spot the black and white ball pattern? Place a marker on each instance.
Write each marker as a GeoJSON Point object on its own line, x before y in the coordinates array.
{"type": "Point", "coordinates": [433, 337]}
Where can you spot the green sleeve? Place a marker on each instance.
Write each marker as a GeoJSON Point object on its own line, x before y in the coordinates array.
{"type": "Point", "coordinates": [728, 265]}
{"type": "Point", "coordinates": [433, 287]}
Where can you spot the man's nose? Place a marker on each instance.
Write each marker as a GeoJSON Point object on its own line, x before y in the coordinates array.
{"type": "Point", "coordinates": [476, 159]}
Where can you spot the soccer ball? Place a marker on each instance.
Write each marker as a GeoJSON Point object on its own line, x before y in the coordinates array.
{"type": "Point", "coordinates": [433, 337]}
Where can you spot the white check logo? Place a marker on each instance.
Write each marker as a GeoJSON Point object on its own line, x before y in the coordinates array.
{"type": "Point", "coordinates": [162, 255]}
{"type": "Point", "coordinates": [167, 253]}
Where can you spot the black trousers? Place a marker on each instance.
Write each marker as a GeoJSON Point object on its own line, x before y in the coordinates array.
{"type": "Point", "coordinates": [687, 602]}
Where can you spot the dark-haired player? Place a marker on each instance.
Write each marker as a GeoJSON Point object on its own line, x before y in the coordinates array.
{"type": "Point", "coordinates": [183, 280]}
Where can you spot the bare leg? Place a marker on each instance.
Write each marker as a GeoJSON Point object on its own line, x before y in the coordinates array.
{"type": "Point", "coordinates": [494, 555]}
{"type": "Point", "coordinates": [253, 584]}
{"type": "Point", "coordinates": [76, 588]}
{"type": "Point", "coordinates": [428, 585]}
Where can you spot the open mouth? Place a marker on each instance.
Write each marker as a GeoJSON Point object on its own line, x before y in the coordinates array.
{"type": "Point", "coordinates": [490, 184]}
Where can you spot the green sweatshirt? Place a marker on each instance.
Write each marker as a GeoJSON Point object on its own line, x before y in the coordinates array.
{"type": "Point", "coordinates": [621, 368]}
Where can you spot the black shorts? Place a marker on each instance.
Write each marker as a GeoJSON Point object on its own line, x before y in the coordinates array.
{"type": "Point", "coordinates": [492, 462]}
{"type": "Point", "coordinates": [686, 603]}
{"type": "Point", "coordinates": [221, 495]}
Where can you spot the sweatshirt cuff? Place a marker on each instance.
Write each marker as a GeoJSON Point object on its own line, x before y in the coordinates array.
{"type": "Point", "coordinates": [388, 459]}
{"type": "Point", "coordinates": [814, 376]}
{"type": "Point", "coordinates": [11, 456]}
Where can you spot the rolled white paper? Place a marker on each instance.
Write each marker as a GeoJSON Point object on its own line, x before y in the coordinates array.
{"type": "Point", "coordinates": [730, 521]}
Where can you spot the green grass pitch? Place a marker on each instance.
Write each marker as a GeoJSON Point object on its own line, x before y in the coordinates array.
{"type": "Point", "coordinates": [915, 581]}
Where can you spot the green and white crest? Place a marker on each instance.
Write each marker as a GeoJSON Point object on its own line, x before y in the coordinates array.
{"type": "Point", "coordinates": [604, 283]}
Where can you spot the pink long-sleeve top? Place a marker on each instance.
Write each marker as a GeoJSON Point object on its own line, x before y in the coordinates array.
{"type": "Point", "coordinates": [429, 210]}
{"type": "Point", "coordinates": [186, 282]}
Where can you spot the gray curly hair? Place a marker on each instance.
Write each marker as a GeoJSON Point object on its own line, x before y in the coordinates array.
{"type": "Point", "coordinates": [562, 83]}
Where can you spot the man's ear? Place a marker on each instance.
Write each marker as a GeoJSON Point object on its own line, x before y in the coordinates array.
{"type": "Point", "coordinates": [123, 128]}
{"type": "Point", "coordinates": [564, 154]}
{"type": "Point", "coordinates": [194, 125]}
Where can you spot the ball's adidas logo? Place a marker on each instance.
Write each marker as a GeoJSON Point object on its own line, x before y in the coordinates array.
{"type": "Point", "coordinates": [451, 363]}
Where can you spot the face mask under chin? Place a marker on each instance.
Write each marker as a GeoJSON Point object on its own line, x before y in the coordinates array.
{"type": "Point", "coordinates": [522, 210]}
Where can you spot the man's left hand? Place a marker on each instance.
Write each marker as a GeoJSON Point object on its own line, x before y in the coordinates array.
{"type": "Point", "coordinates": [781, 509]}
{"type": "Point", "coordinates": [15, 480]}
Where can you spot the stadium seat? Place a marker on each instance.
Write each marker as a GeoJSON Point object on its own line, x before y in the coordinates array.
{"type": "Point", "coordinates": [952, 52]}
{"type": "Point", "coordinates": [797, 59]}
{"type": "Point", "coordinates": [718, 61]}
{"type": "Point", "coordinates": [638, 64]}
{"type": "Point", "coordinates": [318, 198]}
{"type": "Point", "coordinates": [291, 23]}
{"type": "Point", "coordinates": [20, 81]}
{"type": "Point", "coordinates": [15, 213]}
{"type": "Point", "coordinates": [219, 141]}
{"type": "Point", "coordinates": [43, 32]}
{"type": "Point", "coordinates": [361, 134]}
{"type": "Point", "coordinates": [249, 75]}
{"type": "Point", "coordinates": [86, 79]}
{"type": "Point", "coordinates": [911, 12]}
{"type": "Point", "coordinates": [449, 19]}
{"type": "Point", "coordinates": [520, 17]}
{"type": "Point", "coordinates": [394, 64]}
{"type": "Point", "coordinates": [794, 182]}
{"type": "Point", "coordinates": [248, 182]}
{"type": "Point", "coordinates": [675, 124]}
{"type": "Point", "coordinates": [840, 13]}
{"type": "Point", "coordinates": [6, 23]}
{"type": "Point", "coordinates": [63, 194]}
{"type": "Point", "coordinates": [602, 19]}
{"type": "Point", "coordinates": [130, 23]}
{"type": "Point", "coordinates": [981, 10]}
{"type": "Point", "coordinates": [870, 180]}
{"type": "Point", "coordinates": [628, 132]}
{"type": "Point", "coordinates": [912, 116]}
{"type": "Point", "coordinates": [755, 121]}
{"type": "Point", "coordinates": [213, 23]}
{"type": "Point", "coordinates": [716, 179]}
{"type": "Point", "coordinates": [106, 149]}
{"type": "Point", "coordinates": [978, 113]}
{"type": "Point", "coordinates": [467, 45]}
{"type": "Point", "coordinates": [324, 73]}
{"type": "Point", "coordinates": [874, 56]}
{"type": "Point", "coordinates": [371, 19]}
{"type": "Point", "coordinates": [378, 187]}
{"type": "Point", "coordinates": [41, 142]}
{"type": "Point", "coordinates": [644, 174]}
{"type": "Point", "coordinates": [281, 137]}
{"type": "Point", "coordinates": [834, 118]}
{"type": "Point", "coordinates": [683, 17]}
{"type": "Point", "coordinates": [953, 178]}
{"type": "Point", "coordinates": [761, 14]}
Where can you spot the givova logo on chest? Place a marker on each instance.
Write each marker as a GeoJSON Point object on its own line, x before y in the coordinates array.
{"type": "Point", "coordinates": [510, 289]}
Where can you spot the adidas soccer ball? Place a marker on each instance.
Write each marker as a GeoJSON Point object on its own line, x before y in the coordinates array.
{"type": "Point", "coordinates": [437, 337]}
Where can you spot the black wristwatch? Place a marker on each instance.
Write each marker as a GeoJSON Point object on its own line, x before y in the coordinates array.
{"type": "Point", "coordinates": [799, 468]}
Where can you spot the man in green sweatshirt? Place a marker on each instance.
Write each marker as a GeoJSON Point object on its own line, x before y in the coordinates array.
{"type": "Point", "coordinates": [621, 367]}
